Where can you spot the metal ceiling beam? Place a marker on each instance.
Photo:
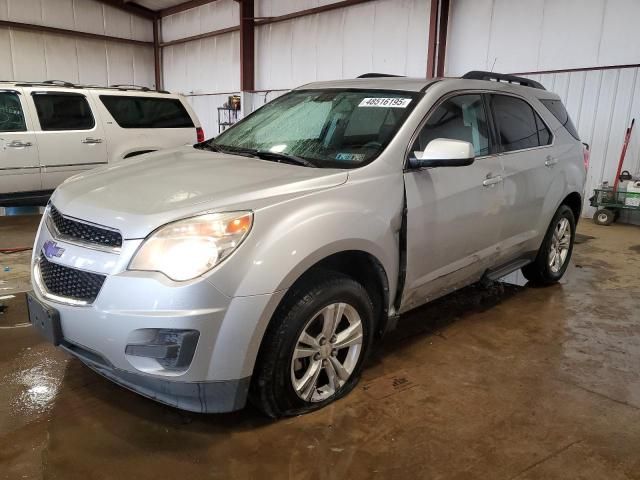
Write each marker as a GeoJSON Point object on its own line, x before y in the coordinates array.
{"type": "Point", "coordinates": [71, 33]}
{"type": "Point", "coordinates": [131, 7]}
{"type": "Point", "coordinates": [183, 6]}
{"type": "Point", "coordinates": [310, 11]}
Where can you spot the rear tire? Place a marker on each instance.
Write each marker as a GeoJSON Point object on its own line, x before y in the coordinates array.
{"type": "Point", "coordinates": [553, 257]}
{"type": "Point", "coordinates": [315, 346]}
{"type": "Point", "coordinates": [604, 217]}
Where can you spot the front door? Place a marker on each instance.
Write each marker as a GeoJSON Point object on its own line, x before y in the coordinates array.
{"type": "Point", "coordinates": [19, 166]}
{"type": "Point", "coordinates": [70, 139]}
{"type": "Point", "coordinates": [454, 217]}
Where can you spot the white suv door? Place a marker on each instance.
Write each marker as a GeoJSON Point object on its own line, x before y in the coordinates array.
{"type": "Point", "coordinates": [19, 166]}
{"type": "Point", "coordinates": [70, 137]}
{"type": "Point", "coordinates": [454, 217]}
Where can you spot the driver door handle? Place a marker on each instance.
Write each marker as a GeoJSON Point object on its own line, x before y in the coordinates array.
{"type": "Point", "coordinates": [92, 141]}
{"type": "Point", "coordinates": [491, 181]}
{"type": "Point", "coordinates": [550, 161]}
{"type": "Point", "coordinates": [19, 144]}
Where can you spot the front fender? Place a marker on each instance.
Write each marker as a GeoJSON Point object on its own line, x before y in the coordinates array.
{"type": "Point", "coordinates": [289, 238]}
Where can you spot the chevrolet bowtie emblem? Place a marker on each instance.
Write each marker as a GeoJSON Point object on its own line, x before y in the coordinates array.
{"type": "Point", "coordinates": [51, 249]}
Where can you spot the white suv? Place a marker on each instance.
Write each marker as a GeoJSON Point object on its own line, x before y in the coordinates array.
{"type": "Point", "coordinates": [52, 130]}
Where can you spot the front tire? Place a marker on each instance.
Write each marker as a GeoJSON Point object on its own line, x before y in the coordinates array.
{"type": "Point", "coordinates": [555, 252]}
{"type": "Point", "coordinates": [314, 348]}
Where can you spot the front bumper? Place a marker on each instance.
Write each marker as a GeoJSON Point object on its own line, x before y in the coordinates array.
{"type": "Point", "coordinates": [130, 305]}
{"type": "Point", "coordinates": [200, 397]}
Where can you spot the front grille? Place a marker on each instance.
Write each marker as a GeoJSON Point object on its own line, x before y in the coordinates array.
{"type": "Point", "coordinates": [85, 232]}
{"type": "Point", "coordinates": [69, 282]}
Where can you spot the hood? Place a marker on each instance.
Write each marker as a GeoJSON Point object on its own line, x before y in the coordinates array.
{"type": "Point", "coordinates": [137, 196]}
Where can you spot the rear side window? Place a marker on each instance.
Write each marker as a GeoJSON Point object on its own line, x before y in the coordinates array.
{"type": "Point", "coordinates": [518, 126]}
{"type": "Point", "coordinates": [11, 117]}
{"type": "Point", "coordinates": [147, 112]}
{"type": "Point", "coordinates": [63, 111]}
{"type": "Point", "coordinates": [557, 108]}
{"type": "Point", "coordinates": [459, 118]}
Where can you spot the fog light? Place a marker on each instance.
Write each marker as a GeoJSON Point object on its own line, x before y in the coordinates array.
{"type": "Point", "coordinates": [172, 349]}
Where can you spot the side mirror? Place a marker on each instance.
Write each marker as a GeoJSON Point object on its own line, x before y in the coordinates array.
{"type": "Point", "coordinates": [443, 152]}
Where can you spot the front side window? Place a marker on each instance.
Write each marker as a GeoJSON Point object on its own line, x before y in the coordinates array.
{"type": "Point", "coordinates": [329, 128]}
{"type": "Point", "coordinates": [63, 111]}
{"type": "Point", "coordinates": [147, 112]}
{"type": "Point", "coordinates": [11, 117]}
{"type": "Point", "coordinates": [459, 118]}
{"type": "Point", "coordinates": [517, 124]}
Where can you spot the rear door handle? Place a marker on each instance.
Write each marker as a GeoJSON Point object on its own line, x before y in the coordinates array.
{"type": "Point", "coordinates": [92, 141]}
{"type": "Point", "coordinates": [550, 161]}
{"type": "Point", "coordinates": [491, 181]}
{"type": "Point", "coordinates": [19, 144]}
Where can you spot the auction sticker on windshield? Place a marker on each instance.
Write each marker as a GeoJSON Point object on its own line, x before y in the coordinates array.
{"type": "Point", "coordinates": [385, 102]}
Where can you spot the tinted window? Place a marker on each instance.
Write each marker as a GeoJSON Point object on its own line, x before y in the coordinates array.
{"type": "Point", "coordinates": [515, 123]}
{"type": "Point", "coordinates": [459, 118]}
{"type": "Point", "coordinates": [63, 111]}
{"type": "Point", "coordinates": [557, 108]}
{"type": "Point", "coordinates": [11, 118]}
{"type": "Point", "coordinates": [147, 112]}
{"type": "Point", "coordinates": [544, 135]}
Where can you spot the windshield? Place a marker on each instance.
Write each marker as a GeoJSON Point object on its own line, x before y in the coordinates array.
{"type": "Point", "coordinates": [328, 128]}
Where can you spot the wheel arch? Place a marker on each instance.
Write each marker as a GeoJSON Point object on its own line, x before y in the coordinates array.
{"type": "Point", "coordinates": [574, 202]}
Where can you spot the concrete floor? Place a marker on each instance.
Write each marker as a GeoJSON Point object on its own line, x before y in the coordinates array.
{"type": "Point", "coordinates": [511, 382]}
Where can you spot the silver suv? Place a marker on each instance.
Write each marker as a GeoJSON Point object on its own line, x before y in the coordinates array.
{"type": "Point", "coordinates": [265, 264]}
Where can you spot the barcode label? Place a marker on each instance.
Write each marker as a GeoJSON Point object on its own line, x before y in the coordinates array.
{"type": "Point", "coordinates": [385, 102]}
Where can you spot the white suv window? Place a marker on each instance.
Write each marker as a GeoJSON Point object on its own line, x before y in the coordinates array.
{"type": "Point", "coordinates": [459, 118]}
{"type": "Point", "coordinates": [11, 117]}
{"type": "Point", "coordinates": [63, 111]}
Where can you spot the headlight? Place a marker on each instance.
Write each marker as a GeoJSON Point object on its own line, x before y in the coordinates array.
{"type": "Point", "coordinates": [188, 248]}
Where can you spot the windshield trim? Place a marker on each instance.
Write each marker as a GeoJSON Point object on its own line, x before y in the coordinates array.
{"type": "Point", "coordinates": [415, 96]}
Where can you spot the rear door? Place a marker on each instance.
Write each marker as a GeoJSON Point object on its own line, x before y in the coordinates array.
{"type": "Point", "coordinates": [19, 166]}
{"type": "Point", "coordinates": [70, 138]}
{"type": "Point", "coordinates": [525, 144]}
{"type": "Point", "coordinates": [454, 217]}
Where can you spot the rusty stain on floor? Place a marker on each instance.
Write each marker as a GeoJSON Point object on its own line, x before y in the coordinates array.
{"type": "Point", "coordinates": [506, 382]}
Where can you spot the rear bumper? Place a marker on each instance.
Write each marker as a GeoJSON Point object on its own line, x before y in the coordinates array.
{"type": "Point", "coordinates": [200, 397]}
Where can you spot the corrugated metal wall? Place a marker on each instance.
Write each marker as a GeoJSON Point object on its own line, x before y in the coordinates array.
{"type": "Point", "coordinates": [387, 36]}
{"type": "Point", "coordinates": [40, 56]}
{"type": "Point", "coordinates": [538, 35]}
{"type": "Point", "coordinates": [513, 36]}
{"type": "Point", "coordinates": [384, 35]}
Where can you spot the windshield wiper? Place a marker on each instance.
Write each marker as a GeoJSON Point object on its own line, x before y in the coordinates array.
{"type": "Point", "coordinates": [284, 158]}
{"type": "Point", "coordinates": [207, 146]}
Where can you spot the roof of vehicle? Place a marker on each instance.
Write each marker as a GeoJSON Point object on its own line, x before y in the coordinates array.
{"type": "Point", "coordinates": [374, 83]}
{"type": "Point", "coordinates": [479, 79]}
{"type": "Point", "coordinates": [63, 84]}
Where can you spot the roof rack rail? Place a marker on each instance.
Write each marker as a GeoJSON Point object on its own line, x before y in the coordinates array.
{"type": "Point", "coordinates": [64, 84]}
{"type": "Point", "coordinates": [501, 77]}
{"type": "Point", "coordinates": [377, 75]}
{"type": "Point", "coordinates": [61, 83]}
{"type": "Point", "coordinates": [131, 87]}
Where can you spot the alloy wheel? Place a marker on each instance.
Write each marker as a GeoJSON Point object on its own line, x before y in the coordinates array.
{"type": "Point", "coordinates": [326, 352]}
{"type": "Point", "coordinates": [560, 244]}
